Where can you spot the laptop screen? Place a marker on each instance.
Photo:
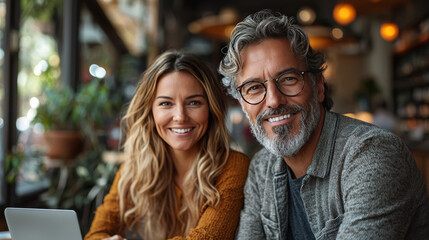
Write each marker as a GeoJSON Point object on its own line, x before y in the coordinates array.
{"type": "Point", "coordinates": [42, 224]}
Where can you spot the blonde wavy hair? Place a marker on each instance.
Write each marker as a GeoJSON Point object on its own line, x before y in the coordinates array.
{"type": "Point", "coordinates": [147, 200]}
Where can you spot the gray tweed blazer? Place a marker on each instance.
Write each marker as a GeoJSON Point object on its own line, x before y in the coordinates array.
{"type": "Point", "coordinates": [362, 183]}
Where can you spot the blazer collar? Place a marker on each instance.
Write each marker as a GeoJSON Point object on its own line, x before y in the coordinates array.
{"type": "Point", "coordinates": [321, 163]}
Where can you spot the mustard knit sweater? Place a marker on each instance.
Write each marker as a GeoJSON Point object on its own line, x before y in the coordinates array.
{"type": "Point", "coordinates": [216, 222]}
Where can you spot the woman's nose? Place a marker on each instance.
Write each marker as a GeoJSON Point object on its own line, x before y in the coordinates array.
{"type": "Point", "coordinates": [179, 114]}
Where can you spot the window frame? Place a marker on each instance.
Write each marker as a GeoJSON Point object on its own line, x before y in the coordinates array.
{"type": "Point", "coordinates": [10, 76]}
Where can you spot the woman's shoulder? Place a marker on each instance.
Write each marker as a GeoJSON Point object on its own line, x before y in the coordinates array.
{"type": "Point", "coordinates": [239, 155]}
{"type": "Point", "coordinates": [237, 159]}
{"type": "Point", "coordinates": [234, 173]}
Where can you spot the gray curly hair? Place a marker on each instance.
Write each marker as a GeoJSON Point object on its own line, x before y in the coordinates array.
{"type": "Point", "coordinates": [263, 25]}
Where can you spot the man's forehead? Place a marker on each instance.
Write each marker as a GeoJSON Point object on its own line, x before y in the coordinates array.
{"type": "Point", "coordinates": [269, 57]}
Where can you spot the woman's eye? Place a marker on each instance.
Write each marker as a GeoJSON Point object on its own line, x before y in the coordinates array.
{"type": "Point", "coordinates": [164, 104]}
{"type": "Point", "coordinates": [194, 103]}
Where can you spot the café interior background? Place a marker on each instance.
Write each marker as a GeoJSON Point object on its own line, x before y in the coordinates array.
{"type": "Point", "coordinates": [95, 50]}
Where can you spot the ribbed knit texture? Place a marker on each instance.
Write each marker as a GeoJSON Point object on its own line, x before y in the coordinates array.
{"type": "Point", "coordinates": [216, 222]}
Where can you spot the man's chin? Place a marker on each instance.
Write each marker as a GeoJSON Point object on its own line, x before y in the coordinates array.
{"type": "Point", "coordinates": [282, 131]}
{"type": "Point", "coordinates": [271, 136]}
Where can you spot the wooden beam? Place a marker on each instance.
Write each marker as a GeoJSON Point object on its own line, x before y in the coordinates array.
{"type": "Point", "coordinates": [107, 26]}
{"type": "Point", "coordinates": [70, 44]}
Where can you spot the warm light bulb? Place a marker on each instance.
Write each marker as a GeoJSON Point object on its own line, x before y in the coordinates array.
{"type": "Point", "coordinates": [337, 33]}
{"type": "Point", "coordinates": [344, 13]}
{"type": "Point", "coordinates": [389, 31]}
{"type": "Point", "coordinates": [306, 15]}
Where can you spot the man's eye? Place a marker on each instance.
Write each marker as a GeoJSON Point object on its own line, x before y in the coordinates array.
{"type": "Point", "coordinates": [288, 79]}
{"type": "Point", "coordinates": [252, 88]}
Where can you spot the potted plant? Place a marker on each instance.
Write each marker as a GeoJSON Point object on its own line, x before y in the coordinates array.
{"type": "Point", "coordinates": [13, 162]}
{"type": "Point", "coordinates": [21, 165]}
{"type": "Point", "coordinates": [366, 93]}
{"type": "Point", "coordinates": [88, 111]}
{"type": "Point", "coordinates": [68, 117]}
{"type": "Point", "coordinates": [94, 107]}
{"type": "Point", "coordinates": [57, 114]}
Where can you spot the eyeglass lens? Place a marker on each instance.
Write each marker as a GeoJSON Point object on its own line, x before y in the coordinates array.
{"type": "Point", "coordinates": [289, 83]}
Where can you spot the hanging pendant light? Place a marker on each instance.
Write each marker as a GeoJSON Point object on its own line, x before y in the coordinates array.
{"type": "Point", "coordinates": [306, 16]}
{"type": "Point", "coordinates": [344, 13]}
{"type": "Point", "coordinates": [389, 31]}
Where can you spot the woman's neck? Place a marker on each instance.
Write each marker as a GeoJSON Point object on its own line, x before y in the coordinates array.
{"type": "Point", "coordinates": [183, 161]}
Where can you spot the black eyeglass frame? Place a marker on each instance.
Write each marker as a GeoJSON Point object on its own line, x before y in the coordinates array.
{"type": "Point", "coordinates": [276, 82]}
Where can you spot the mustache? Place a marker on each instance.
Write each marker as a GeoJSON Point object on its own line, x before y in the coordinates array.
{"type": "Point", "coordinates": [282, 109]}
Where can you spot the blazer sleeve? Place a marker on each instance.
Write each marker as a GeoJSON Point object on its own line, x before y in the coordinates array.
{"type": "Point", "coordinates": [382, 192]}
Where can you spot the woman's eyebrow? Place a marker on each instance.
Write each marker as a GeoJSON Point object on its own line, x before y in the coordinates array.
{"type": "Point", "coordinates": [170, 98]}
{"type": "Point", "coordinates": [195, 96]}
{"type": "Point", "coordinates": [164, 97]}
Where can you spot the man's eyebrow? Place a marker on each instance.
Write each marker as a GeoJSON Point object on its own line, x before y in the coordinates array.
{"type": "Point", "coordinates": [252, 79]}
{"type": "Point", "coordinates": [286, 70]}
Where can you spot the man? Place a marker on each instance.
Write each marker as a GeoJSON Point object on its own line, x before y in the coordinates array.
{"type": "Point", "coordinates": [320, 175]}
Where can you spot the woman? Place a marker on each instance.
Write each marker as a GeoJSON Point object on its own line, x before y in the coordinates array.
{"type": "Point", "coordinates": [180, 179]}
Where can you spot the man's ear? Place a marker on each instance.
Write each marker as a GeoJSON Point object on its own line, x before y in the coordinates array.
{"type": "Point", "coordinates": [320, 84]}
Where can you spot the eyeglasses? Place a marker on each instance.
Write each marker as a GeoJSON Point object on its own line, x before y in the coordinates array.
{"type": "Point", "coordinates": [290, 83]}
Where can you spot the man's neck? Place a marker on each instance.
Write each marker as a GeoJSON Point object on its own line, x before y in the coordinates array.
{"type": "Point", "coordinates": [300, 162]}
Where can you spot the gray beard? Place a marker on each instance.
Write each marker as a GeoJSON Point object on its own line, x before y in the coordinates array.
{"type": "Point", "coordinates": [285, 144]}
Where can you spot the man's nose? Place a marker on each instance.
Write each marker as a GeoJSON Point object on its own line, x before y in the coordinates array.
{"type": "Point", "coordinates": [274, 97]}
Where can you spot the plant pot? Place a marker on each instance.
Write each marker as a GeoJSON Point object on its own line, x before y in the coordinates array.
{"type": "Point", "coordinates": [63, 144]}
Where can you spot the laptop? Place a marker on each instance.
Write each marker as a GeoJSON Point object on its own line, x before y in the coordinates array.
{"type": "Point", "coordinates": [42, 224]}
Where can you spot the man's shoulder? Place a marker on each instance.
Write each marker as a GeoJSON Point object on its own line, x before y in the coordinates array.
{"type": "Point", "coordinates": [350, 127]}
{"type": "Point", "coordinates": [353, 137]}
{"type": "Point", "coordinates": [358, 138]}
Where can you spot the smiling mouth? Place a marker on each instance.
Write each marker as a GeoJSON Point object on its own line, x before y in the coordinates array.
{"type": "Point", "coordinates": [181, 130]}
{"type": "Point", "coordinates": [279, 118]}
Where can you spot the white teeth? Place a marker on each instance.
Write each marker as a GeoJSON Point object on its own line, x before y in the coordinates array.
{"type": "Point", "coordinates": [181, 130]}
{"type": "Point", "coordinates": [275, 119]}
